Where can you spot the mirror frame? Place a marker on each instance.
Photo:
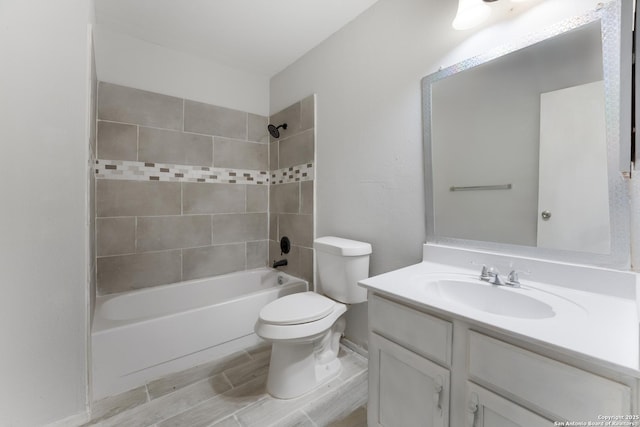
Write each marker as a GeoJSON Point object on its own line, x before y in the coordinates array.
{"type": "Point", "coordinates": [616, 56]}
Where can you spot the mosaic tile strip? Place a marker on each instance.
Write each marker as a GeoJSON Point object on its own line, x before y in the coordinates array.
{"type": "Point", "coordinates": [292, 174]}
{"type": "Point", "coordinates": [141, 171]}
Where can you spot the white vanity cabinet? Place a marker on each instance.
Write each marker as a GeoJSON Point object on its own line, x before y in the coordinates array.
{"type": "Point", "coordinates": [420, 376]}
{"type": "Point", "coordinates": [409, 389]}
{"type": "Point", "coordinates": [409, 352]}
{"type": "Point", "coordinates": [487, 409]}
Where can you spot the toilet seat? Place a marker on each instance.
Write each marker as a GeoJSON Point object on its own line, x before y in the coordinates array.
{"type": "Point", "coordinates": [300, 332]}
{"type": "Point", "coordinates": [296, 309]}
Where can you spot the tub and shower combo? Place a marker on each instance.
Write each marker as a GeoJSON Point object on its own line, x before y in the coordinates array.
{"type": "Point", "coordinates": [142, 335]}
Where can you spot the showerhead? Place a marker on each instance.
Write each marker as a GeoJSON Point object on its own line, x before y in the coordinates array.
{"type": "Point", "coordinates": [273, 130]}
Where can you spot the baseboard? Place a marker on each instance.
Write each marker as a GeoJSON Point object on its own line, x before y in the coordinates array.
{"type": "Point", "coordinates": [355, 347]}
{"type": "Point", "coordinates": [74, 420]}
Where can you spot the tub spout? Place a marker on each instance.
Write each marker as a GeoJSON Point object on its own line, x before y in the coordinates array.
{"type": "Point", "coordinates": [280, 263]}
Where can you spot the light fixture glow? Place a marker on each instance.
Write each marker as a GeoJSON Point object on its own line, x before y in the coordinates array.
{"type": "Point", "coordinates": [470, 14]}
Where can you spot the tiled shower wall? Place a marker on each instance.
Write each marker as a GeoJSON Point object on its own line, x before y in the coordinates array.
{"type": "Point", "coordinates": [181, 192]}
{"type": "Point", "coordinates": [292, 159]}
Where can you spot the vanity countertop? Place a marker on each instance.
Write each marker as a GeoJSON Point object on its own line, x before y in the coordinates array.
{"type": "Point", "coordinates": [595, 325]}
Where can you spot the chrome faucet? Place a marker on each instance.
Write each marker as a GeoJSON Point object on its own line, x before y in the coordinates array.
{"type": "Point", "coordinates": [512, 279]}
{"type": "Point", "coordinates": [492, 276]}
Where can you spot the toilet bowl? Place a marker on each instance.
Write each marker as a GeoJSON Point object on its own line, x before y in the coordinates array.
{"type": "Point", "coordinates": [305, 328]}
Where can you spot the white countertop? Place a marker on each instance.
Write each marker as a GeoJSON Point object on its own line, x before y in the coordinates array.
{"type": "Point", "coordinates": [595, 325]}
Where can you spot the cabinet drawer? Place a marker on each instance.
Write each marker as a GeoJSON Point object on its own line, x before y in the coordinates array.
{"type": "Point", "coordinates": [424, 334]}
{"type": "Point", "coordinates": [562, 390]}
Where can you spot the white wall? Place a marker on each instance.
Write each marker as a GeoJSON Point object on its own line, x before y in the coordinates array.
{"type": "Point", "coordinates": [128, 61]}
{"type": "Point", "coordinates": [369, 128]}
{"type": "Point", "coordinates": [43, 184]}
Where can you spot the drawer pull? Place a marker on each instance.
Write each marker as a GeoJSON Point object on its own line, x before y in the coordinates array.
{"type": "Point", "coordinates": [472, 409]}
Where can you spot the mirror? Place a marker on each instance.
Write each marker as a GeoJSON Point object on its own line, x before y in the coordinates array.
{"type": "Point", "coordinates": [522, 146]}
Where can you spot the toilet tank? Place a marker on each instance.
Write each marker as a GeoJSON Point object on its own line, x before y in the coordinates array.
{"type": "Point", "coordinates": [341, 264]}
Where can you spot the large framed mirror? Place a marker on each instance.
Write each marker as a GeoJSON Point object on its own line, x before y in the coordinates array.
{"type": "Point", "coordinates": [525, 146]}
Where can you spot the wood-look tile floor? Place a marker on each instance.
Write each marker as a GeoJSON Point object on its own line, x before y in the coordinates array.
{"type": "Point", "coordinates": [230, 392]}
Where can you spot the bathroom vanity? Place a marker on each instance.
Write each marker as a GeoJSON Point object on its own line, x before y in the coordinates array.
{"type": "Point", "coordinates": [527, 160]}
{"type": "Point", "coordinates": [561, 347]}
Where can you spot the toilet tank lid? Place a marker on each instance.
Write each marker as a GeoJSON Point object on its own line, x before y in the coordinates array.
{"type": "Point", "coordinates": [340, 246]}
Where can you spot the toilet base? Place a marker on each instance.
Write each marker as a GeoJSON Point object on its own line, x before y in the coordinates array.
{"type": "Point", "coordinates": [300, 366]}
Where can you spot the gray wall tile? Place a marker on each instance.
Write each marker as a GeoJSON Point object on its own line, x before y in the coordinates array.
{"type": "Point", "coordinates": [198, 198]}
{"type": "Point", "coordinates": [307, 113]}
{"type": "Point", "coordinates": [228, 228]}
{"type": "Point", "coordinates": [116, 236]}
{"type": "Point", "coordinates": [214, 120]}
{"type": "Point", "coordinates": [233, 153]}
{"type": "Point", "coordinates": [127, 272]}
{"type": "Point", "coordinates": [257, 254]}
{"type": "Point", "coordinates": [258, 198]}
{"type": "Point", "coordinates": [306, 197]}
{"type": "Point", "coordinates": [257, 128]}
{"type": "Point", "coordinates": [290, 116]}
{"type": "Point", "coordinates": [285, 198]}
{"type": "Point", "coordinates": [299, 228]}
{"type": "Point", "coordinates": [166, 146]}
{"type": "Point", "coordinates": [296, 150]}
{"type": "Point", "coordinates": [273, 156]}
{"type": "Point", "coordinates": [306, 264]}
{"type": "Point", "coordinates": [273, 226]}
{"type": "Point", "coordinates": [131, 198]}
{"type": "Point", "coordinates": [213, 260]}
{"type": "Point", "coordinates": [293, 257]}
{"type": "Point", "coordinates": [173, 232]}
{"type": "Point", "coordinates": [128, 105]}
{"type": "Point", "coordinates": [117, 141]}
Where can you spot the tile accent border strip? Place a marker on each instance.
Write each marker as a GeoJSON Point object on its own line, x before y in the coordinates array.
{"type": "Point", "coordinates": [141, 171]}
{"type": "Point", "coordinates": [293, 174]}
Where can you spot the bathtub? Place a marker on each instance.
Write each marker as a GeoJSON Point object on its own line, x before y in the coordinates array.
{"type": "Point", "coordinates": [141, 335]}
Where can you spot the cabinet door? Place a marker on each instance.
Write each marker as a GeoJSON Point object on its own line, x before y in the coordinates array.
{"type": "Point", "coordinates": [486, 409]}
{"type": "Point", "coordinates": [405, 389]}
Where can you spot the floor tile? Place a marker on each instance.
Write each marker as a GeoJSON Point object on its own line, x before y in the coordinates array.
{"type": "Point", "coordinates": [173, 382]}
{"type": "Point", "coordinates": [113, 405]}
{"type": "Point", "coordinates": [167, 406]}
{"type": "Point", "coordinates": [231, 392]}
{"type": "Point", "coordinates": [219, 407]}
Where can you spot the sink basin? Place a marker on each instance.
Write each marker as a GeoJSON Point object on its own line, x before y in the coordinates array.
{"type": "Point", "coordinates": [478, 295]}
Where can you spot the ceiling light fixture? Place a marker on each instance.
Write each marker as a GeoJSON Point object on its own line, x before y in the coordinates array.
{"type": "Point", "coordinates": [470, 14]}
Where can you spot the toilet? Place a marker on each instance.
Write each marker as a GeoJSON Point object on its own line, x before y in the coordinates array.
{"type": "Point", "coordinates": [305, 328]}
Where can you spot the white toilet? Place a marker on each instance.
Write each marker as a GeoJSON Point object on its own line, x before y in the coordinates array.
{"type": "Point", "coordinates": [305, 328]}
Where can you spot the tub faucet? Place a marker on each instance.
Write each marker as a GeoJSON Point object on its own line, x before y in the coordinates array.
{"type": "Point", "coordinates": [280, 263]}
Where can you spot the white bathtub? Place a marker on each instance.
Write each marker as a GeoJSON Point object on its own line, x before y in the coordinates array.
{"type": "Point", "coordinates": [142, 335]}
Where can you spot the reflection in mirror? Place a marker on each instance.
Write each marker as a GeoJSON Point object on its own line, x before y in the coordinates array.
{"type": "Point", "coordinates": [522, 147]}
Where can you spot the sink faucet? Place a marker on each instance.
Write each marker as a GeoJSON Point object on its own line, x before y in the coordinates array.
{"type": "Point", "coordinates": [492, 276]}
{"type": "Point", "coordinates": [280, 263]}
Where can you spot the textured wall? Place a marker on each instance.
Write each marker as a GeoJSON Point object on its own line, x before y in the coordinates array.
{"type": "Point", "coordinates": [44, 82]}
